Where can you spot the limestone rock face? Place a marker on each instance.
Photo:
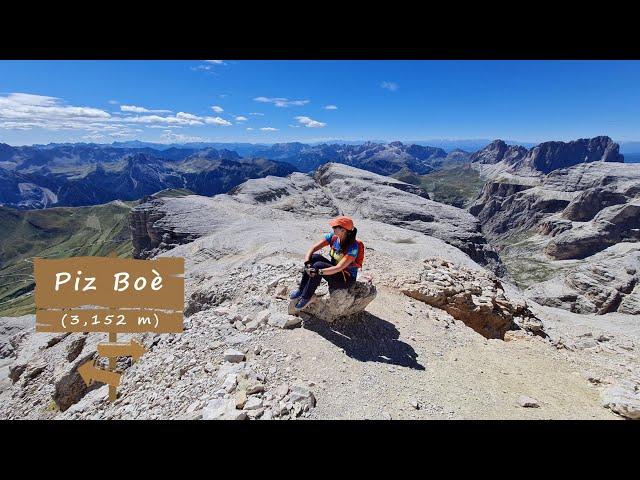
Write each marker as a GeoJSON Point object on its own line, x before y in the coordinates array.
{"type": "Point", "coordinates": [476, 298]}
{"type": "Point", "coordinates": [568, 237]}
{"type": "Point", "coordinates": [339, 303]}
{"type": "Point", "coordinates": [589, 202]}
{"type": "Point", "coordinates": [507, 207]}
{"type": "Point", "coordinates": [498, 151]}
{"type": "Point", "coordinates": [609, 282]}
{"type": "Point", "coordinates": [581, 181]}
{"type": "Point", "coordinates": [547, 156]}
{"type": "Point", "coordinates": [597, 192]}
{"type": "Point", "coordinates": [614, 224]}
{"type": "Point", "coordinates": [160, 224]}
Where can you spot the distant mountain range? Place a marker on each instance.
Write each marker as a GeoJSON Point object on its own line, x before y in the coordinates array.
{"type": "Point", "coordinates": [384, 159]}
{"type": "Point", "coordinates": [41, 176]}
{"type": "Point", "coordinates": [84, 175]}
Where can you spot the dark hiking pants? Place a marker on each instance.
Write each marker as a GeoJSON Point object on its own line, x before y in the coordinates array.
{"type": "Point", "coordinates": [309, 284]}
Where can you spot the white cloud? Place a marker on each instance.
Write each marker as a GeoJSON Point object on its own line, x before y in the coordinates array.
{"type": "Point", "coordinates": [249, 128]}
{"type": "Point", "coordinates": [136, 109]}
{"type": "Point", "coordinates": [181, 118]}
{"type": "Point", "coordinates": [169, 137]}
{"type": "Point", "coordinates": [391, 86]}
{"type": "Point", "coordinates": [294, 126]}
{"type": "Point", "coordinates": [208, 65]}
{"type": "Point", "coordinates": [310, 123]}
{"type": "Point", "coordinates": [330, 107]}
{"type": "Point", "coordinates": [217, 121]}
{"type": "Point", "coordinates": [240, 118]}
{"type": "Point", "coordinates": [257, 114]}
{"type": "Point", "coordinates": [269, 129]}
{"type": "Point", "coordinates": [217, 109]}
{"type": "Point", "coordinates": [281, 102]}
{"type": "Point", "coordinates": [122, 134]}
{"type": "Point", "coordinates": [114, 102]}
{"type": "Point", "coordinates": [187, 116]}
{"type": "Point", "coordinates": [24, 111]}
{"type": "Point", "coordinates": [93, 136]}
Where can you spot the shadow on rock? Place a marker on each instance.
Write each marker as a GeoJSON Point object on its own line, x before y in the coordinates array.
{"type": "Point", "coordinates": [367, 338]}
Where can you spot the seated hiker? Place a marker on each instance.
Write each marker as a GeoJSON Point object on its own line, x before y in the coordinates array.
{"type": "Point", "coordinates": [341, 270]}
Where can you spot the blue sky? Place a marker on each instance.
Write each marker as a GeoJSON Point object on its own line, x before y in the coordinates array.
{"type": "Point", "coordinates": [275, 101]}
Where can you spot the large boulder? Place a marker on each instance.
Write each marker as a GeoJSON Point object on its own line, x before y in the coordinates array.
{"type": "Point", "coordinates": [339, 303]}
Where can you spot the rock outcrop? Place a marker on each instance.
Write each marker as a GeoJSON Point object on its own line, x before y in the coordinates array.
{"type": "Point", "coordinates": [476, 299]}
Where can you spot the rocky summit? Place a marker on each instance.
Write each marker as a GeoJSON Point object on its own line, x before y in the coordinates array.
{"type": "Point", "coordinates": [456, 314]}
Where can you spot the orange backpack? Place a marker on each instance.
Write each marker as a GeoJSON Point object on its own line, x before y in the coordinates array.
{"type": "Point", "coordinates": [360, 258]}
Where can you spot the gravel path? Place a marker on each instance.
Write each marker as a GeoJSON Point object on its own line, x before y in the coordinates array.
{"type": "Point", "coordinates": [404, 353]}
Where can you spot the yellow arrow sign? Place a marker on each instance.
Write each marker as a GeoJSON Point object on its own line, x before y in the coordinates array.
{"type": "Point", "coordinates": [131, 349]}
{"type": "Point", "coordinates": [88, 372]}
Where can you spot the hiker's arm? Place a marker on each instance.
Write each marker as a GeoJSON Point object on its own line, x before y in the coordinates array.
{"type": "Point", "coordinates": [344, 263]}
{"type": "Point", "coordinates": [314, 248]}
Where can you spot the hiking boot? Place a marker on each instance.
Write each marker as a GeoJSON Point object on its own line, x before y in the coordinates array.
{"type": "Point", "coordinates": [302, 303]}
{"type": "Point", "coordinates": [295, 294]}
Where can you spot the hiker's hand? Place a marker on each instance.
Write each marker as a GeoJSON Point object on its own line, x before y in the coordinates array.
{"type": "Point", "coordinates": [312, 271]}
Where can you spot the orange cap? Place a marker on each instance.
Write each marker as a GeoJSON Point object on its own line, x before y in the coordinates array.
{"type": "Point", "coordinates": [342, 221]}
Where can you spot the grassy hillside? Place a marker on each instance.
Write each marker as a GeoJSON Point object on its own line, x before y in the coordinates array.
{"type": "Point", "coordinates": [55, 233]}
{"type": "Point", "coordinates": [173, 192]}
{"type": "Point", "coordinates": [455, 185]}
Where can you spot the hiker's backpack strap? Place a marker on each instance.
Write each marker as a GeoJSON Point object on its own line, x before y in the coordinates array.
{"type": "Point", "coordinates": [360, 258]}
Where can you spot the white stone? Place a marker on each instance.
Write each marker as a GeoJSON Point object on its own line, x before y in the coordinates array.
{"type": "Point", "coordinates": [528, 402]}
{"type": "Point", "coordinates": [282, 320]}
{"type": "Point", "coordinates": [230, 382]}
{"type": "Point", "coordinates": [222, 409]}
{"type": "Point", "coordinates": [233, 356]}
{"type": "Point", "coordinates": [303, 395]}
{"type": "Point", "coordinates": [253, 403]}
